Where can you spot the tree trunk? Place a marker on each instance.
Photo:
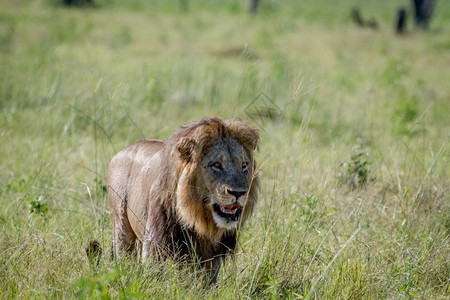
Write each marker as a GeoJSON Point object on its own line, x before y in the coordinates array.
{"type": "Point", "coordinates": [253, 6]}
{"type": "Point", "coordinates": [400, 24]}
{"type": "Point", "coordinates": [423, 10]}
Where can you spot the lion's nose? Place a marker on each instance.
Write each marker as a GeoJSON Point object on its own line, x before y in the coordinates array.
{"type": "Point", "coordinates": [237, 194]}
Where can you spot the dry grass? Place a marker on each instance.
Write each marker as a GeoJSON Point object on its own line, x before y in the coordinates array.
{"type": "Point", "coordinates": [354, 163]}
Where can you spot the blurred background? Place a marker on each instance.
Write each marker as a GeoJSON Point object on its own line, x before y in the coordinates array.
{"type": "Point", "coordinates": [352, 100]}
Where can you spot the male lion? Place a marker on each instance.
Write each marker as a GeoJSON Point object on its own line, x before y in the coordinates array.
{"type": "Point", "coordinates": [184, 197]}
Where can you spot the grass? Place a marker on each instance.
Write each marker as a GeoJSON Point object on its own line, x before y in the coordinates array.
{"type": "Point", "coordinates": [353, 154]}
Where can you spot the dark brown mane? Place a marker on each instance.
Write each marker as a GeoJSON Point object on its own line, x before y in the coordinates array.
{"type": "Point", "coordinates": [186, 146]}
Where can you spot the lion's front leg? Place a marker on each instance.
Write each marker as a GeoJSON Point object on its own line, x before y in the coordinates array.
{"type": "Point", "coordinates": [146, 248]}
{"type": "Point", "coordinates": [150, 240]}
{"type": "Point", "coordinates": [213, 269]}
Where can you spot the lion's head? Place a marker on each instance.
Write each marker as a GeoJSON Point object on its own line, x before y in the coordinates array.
{"type": "Point", "coordinates": [215, 176]}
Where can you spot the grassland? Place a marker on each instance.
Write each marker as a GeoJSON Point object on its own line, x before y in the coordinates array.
{"type": "Point", "coordinates": [354, 159]}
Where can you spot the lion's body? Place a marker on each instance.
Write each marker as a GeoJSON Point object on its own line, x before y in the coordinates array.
{"type": "Point", "coordinates": [126, 181]}
{"type": "Point", "coordinates": [165, 199]}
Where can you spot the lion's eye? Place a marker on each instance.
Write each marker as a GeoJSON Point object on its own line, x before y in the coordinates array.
{"type": "Point", "coordinates": [217, 165]}
{"type": "Point", "coordinates": [244, 165]}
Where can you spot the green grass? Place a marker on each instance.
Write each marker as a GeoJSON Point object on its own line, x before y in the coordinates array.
{"type": "Point", "coordinates": [354, 163]}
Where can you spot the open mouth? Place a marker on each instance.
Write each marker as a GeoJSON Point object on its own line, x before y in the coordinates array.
{"type": "Point", "coordinates": [230, 211]}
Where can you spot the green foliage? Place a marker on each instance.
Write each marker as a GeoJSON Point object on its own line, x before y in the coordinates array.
{"type": "Point", "coordinates": [405, 113]}
{"type": "Point", "coordinates": [16, 186]}
{"type": "Point", "coordinates": [355, 172]}
{"type": "Point", "coordinates": [278, 290]}
{"type": "Point", "coordinates": [407, 276]}
{"type": "Point", "coordinates": [98, 286]}
{"type": "Point", "coordinates": [95, 287]}
{"type": "Point", "coordinates": [395, 72]}
{"type": "Point", "coordinates": [100, 186]}
{"type": "Point", "coordinates": [38, 207]}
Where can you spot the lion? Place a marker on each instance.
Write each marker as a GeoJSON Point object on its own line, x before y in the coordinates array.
{"type": "Point", "coordinates": [185, 197]}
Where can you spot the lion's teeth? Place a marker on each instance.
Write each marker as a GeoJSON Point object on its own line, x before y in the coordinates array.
{"type": "Point", "coordinates": [228, 211]}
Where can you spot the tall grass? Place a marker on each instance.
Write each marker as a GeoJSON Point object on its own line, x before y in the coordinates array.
{"type": "Point", "coordinates": [354, 159]}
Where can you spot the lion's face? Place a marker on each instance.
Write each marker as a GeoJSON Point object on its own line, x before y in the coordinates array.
{"type": "Point", "coordinates": [217, 183]}
{"type": "Point", "coordinates": [225, 169]}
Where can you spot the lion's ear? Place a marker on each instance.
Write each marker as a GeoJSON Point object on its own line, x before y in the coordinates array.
{"type": "Point", "coordinates": [247, 135]}
{"type": "Point", "coordinates": [186, 148]}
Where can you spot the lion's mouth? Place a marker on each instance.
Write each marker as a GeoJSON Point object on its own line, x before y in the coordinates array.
{"type": "Point", "coordinates": [230, 211]}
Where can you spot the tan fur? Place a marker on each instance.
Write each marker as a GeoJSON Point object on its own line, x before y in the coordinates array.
{"type": "Point", "coordinates": [161, 193]}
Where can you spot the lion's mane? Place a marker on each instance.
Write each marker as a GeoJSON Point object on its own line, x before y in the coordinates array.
{"type": "Point", "coordinates": [182, 175]}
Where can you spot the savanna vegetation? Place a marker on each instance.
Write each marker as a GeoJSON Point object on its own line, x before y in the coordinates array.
{"type": "Point", "coordinates": [354, 153]}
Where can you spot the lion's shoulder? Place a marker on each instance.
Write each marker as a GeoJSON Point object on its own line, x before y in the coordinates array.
{"type": "Point", "coordinates": [131, 159]}
{"type": "Point", "coordinates": [150, 145]}
{"type": "Point", "coordinates": [143, 148]}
